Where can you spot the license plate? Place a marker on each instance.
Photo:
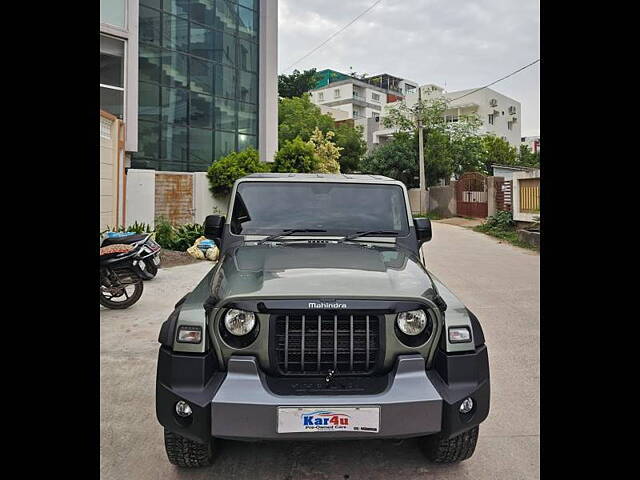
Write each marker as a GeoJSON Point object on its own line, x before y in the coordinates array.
{"type": "Point", "coordinates": [328, 419]}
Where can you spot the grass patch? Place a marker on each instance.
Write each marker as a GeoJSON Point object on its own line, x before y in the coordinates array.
{"type": "Point", "coordinates": [509, 236]}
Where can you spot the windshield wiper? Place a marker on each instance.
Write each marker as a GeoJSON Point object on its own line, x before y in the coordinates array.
{"type": "Point", "coordinates": [353, 236]}
{"type": "Point", "coordinates": [286, 233]}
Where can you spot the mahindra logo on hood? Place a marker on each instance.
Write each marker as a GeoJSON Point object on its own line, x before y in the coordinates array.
{"type": "Point", "coordinates": [327, 305]}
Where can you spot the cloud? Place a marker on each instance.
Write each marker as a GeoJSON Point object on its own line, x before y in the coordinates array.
{"type": "Point", "coordinates": [460, 44]}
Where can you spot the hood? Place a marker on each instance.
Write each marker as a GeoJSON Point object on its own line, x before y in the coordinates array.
{"type": "Point", "coordinates": [308, 270]}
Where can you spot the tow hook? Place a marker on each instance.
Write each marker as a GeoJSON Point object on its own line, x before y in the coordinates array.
{"type": "Point", "coordinates": [329, 376]}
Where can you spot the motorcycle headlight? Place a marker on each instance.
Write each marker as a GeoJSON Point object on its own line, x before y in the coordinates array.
{"type": "Point", "coordinates": [413, 322]}
{"type": "Point", "coordinates": [239, 322]}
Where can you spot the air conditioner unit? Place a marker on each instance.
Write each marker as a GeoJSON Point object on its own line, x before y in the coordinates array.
{"type": "Point", "coordinates": [493, 102]}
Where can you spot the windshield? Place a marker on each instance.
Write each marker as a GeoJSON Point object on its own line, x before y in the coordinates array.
{"type": "Point", "coordinates": [339, 208]}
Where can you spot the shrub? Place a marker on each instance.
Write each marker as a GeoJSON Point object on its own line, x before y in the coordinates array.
{"type": "Point", "coordinates": [135, 228]}
{"type": "Point", "coordinates": [501, 220]}
{"type": "Point", "coordinates": [295, 156]}
{"type": "Point", "coordinates": [164, 233]}
{"type": "Point", "coordinates": [223, 173]}
{"type": "Point", "coordinates": [179, 237]}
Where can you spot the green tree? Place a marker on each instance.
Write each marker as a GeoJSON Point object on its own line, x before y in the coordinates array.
{"type": "Point", "coordinates": [297, 84]}
{"type": "Point", "coordinates": [326, 151]}
{"type": "Point", "coordinates": [296, 156]}
{"type": "Point", "coordinates": [298, 117]}
{"type": "Point", "coordinates": [527, 158]}
{"type": "Point", "coordinates": [353, 146]}
{"type": "Point", "coordinates": [450, 148]}
{"type": "Point", "coordinates": [223, 173]}
{"type": "Point", "coordinates": [397, 158]}
{"type": "Point", "coordinates": [498, 151]}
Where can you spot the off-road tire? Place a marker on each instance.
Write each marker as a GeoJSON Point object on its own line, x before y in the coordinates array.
{"type": "Point", "coordinates": [453, 450]}
{"type": "Point", "coordinates": [187, 453]}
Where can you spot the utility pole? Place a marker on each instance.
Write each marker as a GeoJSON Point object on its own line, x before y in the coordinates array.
{"type": "Point", "coordinates": [423, 180]}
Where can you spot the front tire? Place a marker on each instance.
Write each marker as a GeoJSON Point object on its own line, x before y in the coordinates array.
{"type": "Point", "coordinates": [186, 453]}
{"type": "Point", "coordinates": [453, 450]}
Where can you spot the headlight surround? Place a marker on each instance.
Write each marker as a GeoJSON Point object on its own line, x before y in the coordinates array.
{"type": "Point", "coordinates": [413, 322]}
{"type": "Point", "coordinates": [239, 322]}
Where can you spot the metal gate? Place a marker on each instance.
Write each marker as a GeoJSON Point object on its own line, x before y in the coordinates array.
{"type": "Point", "coordinates": [471, 195]}
{"type": "Point", "coordinates": [503, 194]}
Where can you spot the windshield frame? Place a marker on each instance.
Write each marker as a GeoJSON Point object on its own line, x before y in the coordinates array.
{"type": "Point", "coordinates": [330, 233]}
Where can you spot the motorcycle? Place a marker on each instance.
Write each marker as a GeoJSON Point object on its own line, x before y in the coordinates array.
{"type": "Point", "coordinates": [148, 260]}
{"type": "Point", "coordinates": [120, 282]}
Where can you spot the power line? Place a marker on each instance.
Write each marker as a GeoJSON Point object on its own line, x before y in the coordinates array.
{"type": "Point", "coordinates": [335, 34]}
{"type": "Point", "coordinates": [493, 83]}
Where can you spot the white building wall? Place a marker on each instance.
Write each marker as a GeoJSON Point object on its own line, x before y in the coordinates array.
{"type": "Point", "coordinates": [141, 196]}
{"type": "Point", "coordinates": [502, 115]}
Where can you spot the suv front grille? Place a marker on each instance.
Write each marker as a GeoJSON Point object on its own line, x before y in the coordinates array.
{"type": "Point", "coordinates": [312, 343]}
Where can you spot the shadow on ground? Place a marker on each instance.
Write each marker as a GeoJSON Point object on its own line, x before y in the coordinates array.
{"type": "Point", "coordinates": [341, 460]}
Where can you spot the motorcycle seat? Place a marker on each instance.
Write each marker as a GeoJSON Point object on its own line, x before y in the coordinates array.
{"type": "Point", "coordinates": [122, 240]}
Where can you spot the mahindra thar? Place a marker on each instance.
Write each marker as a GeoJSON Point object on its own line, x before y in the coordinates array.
{"type": "Point", "coordinates": [320, 321]}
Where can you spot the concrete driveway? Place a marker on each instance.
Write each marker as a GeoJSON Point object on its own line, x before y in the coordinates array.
{"type": "Point", "coordinates": [500, 283]}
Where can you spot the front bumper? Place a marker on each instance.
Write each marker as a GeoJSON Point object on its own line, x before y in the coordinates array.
{"type": "Point", "coordinates": [238, 404]}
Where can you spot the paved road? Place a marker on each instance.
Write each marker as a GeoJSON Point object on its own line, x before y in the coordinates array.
{"type": "Point", "coordinates": [500, 283]}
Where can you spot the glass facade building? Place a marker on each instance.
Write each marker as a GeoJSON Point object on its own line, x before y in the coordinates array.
{"type": "Point", "coordinates": [198, 82]}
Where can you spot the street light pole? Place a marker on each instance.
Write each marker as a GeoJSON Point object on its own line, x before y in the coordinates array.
{"type": "Point", "coordinates": [423, 180]}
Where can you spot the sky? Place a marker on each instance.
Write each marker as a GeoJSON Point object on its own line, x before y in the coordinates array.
{"type": "Point", "coordinates": [457, 44]}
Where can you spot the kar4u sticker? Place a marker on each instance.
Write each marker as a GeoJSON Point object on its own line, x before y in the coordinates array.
{"type": "Point", "coordinates": [325, 418]}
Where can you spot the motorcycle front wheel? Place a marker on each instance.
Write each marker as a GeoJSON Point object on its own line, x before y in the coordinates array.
{"type": "Point", "coordinates": [122, 296]}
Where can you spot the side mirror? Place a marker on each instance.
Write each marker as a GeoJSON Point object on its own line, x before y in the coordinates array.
{"type": "Point", "coordinates": [423, 229]}
{"type": "Point", "coordinates": [213, 225]}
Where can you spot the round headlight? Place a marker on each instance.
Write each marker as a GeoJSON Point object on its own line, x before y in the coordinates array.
{"type": "Point", "coordinates": [413, 322]}
{"type": "Point", "coordinates": [239, 322]}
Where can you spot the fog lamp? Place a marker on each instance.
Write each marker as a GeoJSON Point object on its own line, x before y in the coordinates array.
{"type": "Point", "coordinates": [183, 409]}
{"type": "Point", "coordinates": [467, 405]}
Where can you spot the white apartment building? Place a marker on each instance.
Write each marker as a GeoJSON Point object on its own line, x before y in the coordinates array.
{"type": "Point", "coordinates": [500, 115]}
{"type": "Point", "coordinates": [532, 142]}
{"type": "Point", "coordinates": [360, 100]}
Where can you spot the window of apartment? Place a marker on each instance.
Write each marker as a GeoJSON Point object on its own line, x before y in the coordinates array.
{"type": "Point", "coordinates": [375, 97]}
{"type": "Point", "coordinates": [113, 12]}
{"type": "Point", "coordinates": [491, 118]}
{"type": "Point", "coordinates": [510, 125]}
{"type": "Point", "coordinates": [112, 75]}
{"type": "Point", "coordinates": [451, 118]}
{"type": "Point", "coordinates": [512, 110]}
{"type": "Point", "coordinates": [321, 96]}
{"type": "Point", "coordinates": [336, 93]}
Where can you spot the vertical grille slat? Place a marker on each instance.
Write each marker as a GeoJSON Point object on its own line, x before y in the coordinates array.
{"type": "Point", "coordinates": [367, 367]}
{"type": "Point", "coordinates": [302, 348]}
{"type": "Point", "coordinates": [348, 343]}
{"type": "Point", "coordinates": [335, 342]}
{"type": "Point", "coordinates": [319, 340]}
{"type": "Point", "coordinates": [286, 343]}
